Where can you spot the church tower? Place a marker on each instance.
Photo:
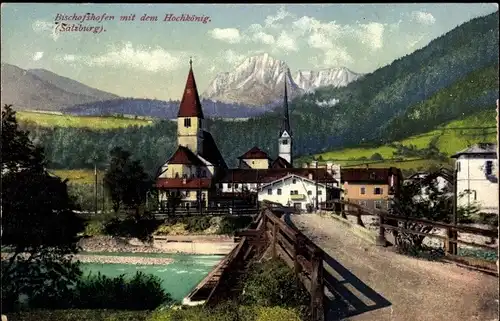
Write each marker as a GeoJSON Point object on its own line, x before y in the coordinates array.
{"type": "Point", "coordinates": [285, 136]}
{"type": "Point", "coordinates": [190, 117]}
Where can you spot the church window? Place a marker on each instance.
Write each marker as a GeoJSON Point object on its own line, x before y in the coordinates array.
{"type": "Point", "coordinates": [204, 173]}
{"type": "Point", "coordinates": [187, 122]}
{"type": "Point", "coordinates": [285, 142]}
{"type": "Point", "coordinates": [176, 175]}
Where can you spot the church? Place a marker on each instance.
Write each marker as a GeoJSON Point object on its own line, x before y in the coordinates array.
{"type": "Point", "coordinates": [197, 175]}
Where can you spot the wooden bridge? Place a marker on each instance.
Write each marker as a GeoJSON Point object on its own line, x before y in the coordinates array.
{"type": "Point", "coordinates": [272, 234]}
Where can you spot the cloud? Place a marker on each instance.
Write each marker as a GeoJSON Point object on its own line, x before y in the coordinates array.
{"type": "Point", "coordinates": [49, 28]}
{"type": "Point", "coordinates": [231, 57]}
{"type": "Point", "coordinates": [145, 59]}
{"type": "Point", "coordinates": [337, 56]}
{"type": "Point", "coordinates": [422, 17]}
{"type": "Point", "coordinates": [286, 42]}
{"type": "Point", "coordinates": [271, 21]}
{"type": "Point", "coordinates": [37, 55]}
{"type": "Point", "coordinates": [230, 35]}
{"type": "Point", "coordinates": [371, 35]}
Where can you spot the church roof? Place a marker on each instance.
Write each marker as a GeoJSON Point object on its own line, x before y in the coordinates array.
{"type": "Point", "coordinates": [185, 156]}
{"type": "Point", "coordinates": [184, 183]}
{"type": "Point", "coordinates": [285, 124]}
{"type": "Point", "coordinates": [280, 162]}
{"type": "Point", "coordinates": [211, 152]}
{"type": "Point", "coordinates": [190, 104]}
{"type": "Point", "coordinates": [254, 153]}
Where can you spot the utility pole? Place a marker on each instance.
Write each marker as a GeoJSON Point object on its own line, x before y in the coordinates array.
{"type": "Point", "coordinates": [96, 186]}
{"type": "Point", "coordinates": [316, 181]}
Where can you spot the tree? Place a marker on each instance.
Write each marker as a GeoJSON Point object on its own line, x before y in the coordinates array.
{"type": "Point", "coordinates": [126, 182]}
{"type": "Point", "coordinates": [422, 198]}
{"type": "Point", "coordinates": [38, 221]}
{"type": "Point", "coordinates": [376, 157]}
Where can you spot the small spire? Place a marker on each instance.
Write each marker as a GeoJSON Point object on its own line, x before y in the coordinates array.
{"type": "Point", "coordinates": [190, 62]}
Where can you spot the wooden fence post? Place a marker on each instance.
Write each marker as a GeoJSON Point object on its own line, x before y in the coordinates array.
{"type": "Point", "coordinates": [274, 240]}
{"type": "Point", "coordinates": [317, 287]}
{"type": "Point", "coordinates": [381, 241]}
{"type": "Point", "coordinates": [342, 211]}
{"type": "Point", "coordinates": [451, 247]}
{"type": "Point", "coordinates": [299, 244]}
{"type": "Point", "coordinates": [358, 216]}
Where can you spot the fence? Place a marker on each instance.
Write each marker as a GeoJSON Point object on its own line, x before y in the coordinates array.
{"type": "Point", "coordinates": [218, 211]}
{"type": "Point", "coordinates": [398, 224]}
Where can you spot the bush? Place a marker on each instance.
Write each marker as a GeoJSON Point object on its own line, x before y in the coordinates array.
{"type": "Point", "coordinates": [79, 315]}
{"type": "Point", "coordinates": [141, 292]}
{"type": "Point", "coordinates": [228, 311]}
{"type": "Point", "coordinates": [376, 157]}
{"type": "Point", "coordinates": [273, 283]}
{"type": "Point", "coordinates": [95, 227]}
{"type": "Point", "coordinates": [231, 224]}
{"type": "Point", "coordinates": [141, 229]}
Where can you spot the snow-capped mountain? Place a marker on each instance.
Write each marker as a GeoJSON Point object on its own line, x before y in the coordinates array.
{"type": "Point", "coordinates": [337, 77]}
{"type": "Point", "coordinates": [259, 81]}
{"type": "Point", "coordinates": [256, 81]}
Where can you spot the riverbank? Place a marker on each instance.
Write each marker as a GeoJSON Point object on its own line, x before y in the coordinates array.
{"type": "Point", "coordinates": [185, 244]}
{"type": "Point", "coordinates": [135, 260]}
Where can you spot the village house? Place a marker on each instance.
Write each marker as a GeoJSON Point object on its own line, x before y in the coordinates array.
{"type": "Point", "coordinates": [198, 176]}
{"type": "Point", "coordinates": [477, 180]}
{"type": "Point", "coordinates": [372, 188]}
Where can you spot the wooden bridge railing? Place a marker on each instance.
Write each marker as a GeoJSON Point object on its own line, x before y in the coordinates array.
{"type": "Point", "coordinates": [387, 221]}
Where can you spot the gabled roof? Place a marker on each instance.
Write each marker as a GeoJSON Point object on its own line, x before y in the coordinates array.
{"type": "Point", "coordinates": [183, 183]}
{"type": "Point", "coordinates": [280, 162]}
{"type": "Point", "coordinates": [254, 153]}
{"type": "Point", "coordinates": [190, 104]}
{"type": "Point", "coordinates": [481, 148]}
{"type": "Point", "coordinates": [292, 176]}
{"type": "Point", "coordinates": [211, 152]}
{"type": "Point", "coordinates": [267, 175]}
{"type": "Point", "coordinates": [369, 175]}
{"type": "Point", "coordinates": [185, 156]}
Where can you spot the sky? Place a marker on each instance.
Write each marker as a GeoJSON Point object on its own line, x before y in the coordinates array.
{"type": "Point", "coordinates": [150, 59]}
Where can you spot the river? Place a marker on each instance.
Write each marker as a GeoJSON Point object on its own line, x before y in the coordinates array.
{"type": "Point", "coordinates": [179, 277]}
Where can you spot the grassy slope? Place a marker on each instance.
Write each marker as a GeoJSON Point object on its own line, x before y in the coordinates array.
{"type": "Point", "coordinates": [51, 120]}
{"type": "Point", "coordinates": [78, 176]}
{"type": "Point", "coordinates": [450, 141]}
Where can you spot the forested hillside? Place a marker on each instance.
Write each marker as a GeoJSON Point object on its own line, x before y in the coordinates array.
{"type": "Point", "coordinates": [456, 70]}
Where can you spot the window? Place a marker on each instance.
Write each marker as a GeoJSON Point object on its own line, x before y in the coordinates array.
{"type": "Point", "coordinates": [378, 191]}
{"type": "Point", "coordinates": [489, 167]}
{"type": "Point", "coordinates": [294, 181]}
{"type": "Point", "coordinates": [176, 175]}
{"type": "Point", "coordinates": [235, 185]}
{"type": "Point", "coordinates": [363, 190]}
{"type": "Point", "coordinates": [269, 192]}
{"type": "Point", "coordinates": [184, 176]}
{"type": "Point", "coordinates": [279, 191]}
{"type": "Point", "coordinates": [203, 173]}
{"type": "Point", "coordinates": [309, 192]}
{"type": "Point", "coordinates": [378, 204]}
{"type": "Point", "coordinates": [253, 162]}
{"type": "Point", "coordinates": [187, 122]}
{"type": "Point", "coordinates": [320, 192]}
{"type": "Point", "coordinates": [458, 166]}
{"type": "Point", "coordinates": [285, 142]}
{"type": "Point", "coordinates": [362, 203]}
{"type": "Point", "coordinates": [294, 192]}
{"type": "Point", "coordinates": [229, 185]}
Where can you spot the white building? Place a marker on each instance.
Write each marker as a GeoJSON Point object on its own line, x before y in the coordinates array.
{"type": "Point", "coordinates": [477, 178]}
{"type": "Point", "coordinates": [298, 191]}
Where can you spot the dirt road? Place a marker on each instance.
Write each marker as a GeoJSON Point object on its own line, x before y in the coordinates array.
{"type": "Point", "coordinates": [383, 285]}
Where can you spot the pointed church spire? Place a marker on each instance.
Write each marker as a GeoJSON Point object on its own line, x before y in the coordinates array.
{"type": "Point", "coordinates": [285, 125]}
{"type": "Point", "coordinates": [190, 104]}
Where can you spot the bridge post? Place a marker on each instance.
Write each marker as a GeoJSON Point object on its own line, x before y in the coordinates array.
{"type": "Point", "coordinates": [317, 287]}
{"type": "Point", "coordinates": [299, 244]}
{"type": "Point", "coordinates": [451, 247]}
{"type": "Point", "coordinates": [274, 240]}
{"type": "Point", "coordinates": [381, 241]}
{"type": "Point", "coordinates": [359, 220]}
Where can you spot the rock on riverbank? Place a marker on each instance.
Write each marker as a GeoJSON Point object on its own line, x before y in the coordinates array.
{"type": "Point", "coordinates": [106, 259]}
{"type": "Point", "coordinates": [116, 245]}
